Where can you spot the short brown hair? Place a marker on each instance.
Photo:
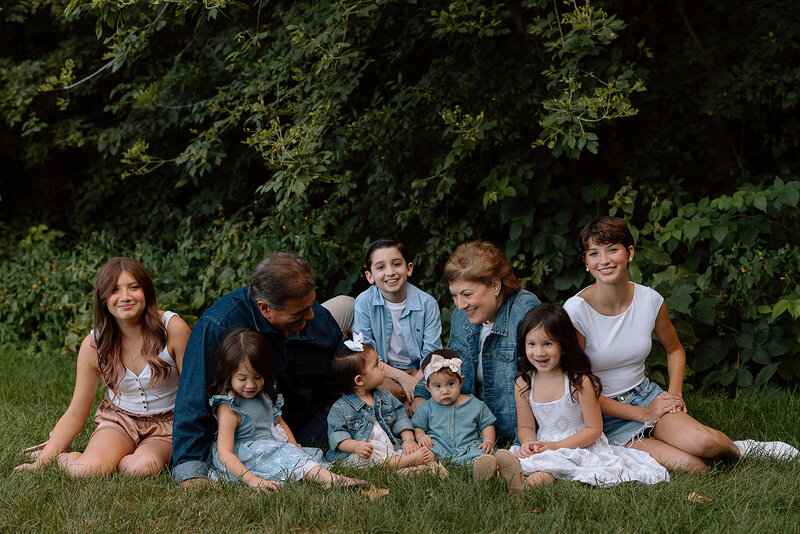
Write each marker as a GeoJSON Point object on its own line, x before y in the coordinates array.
{"type": "Point", "coordinates": [605, 231]}
{"type": "Point", "coordinates": [281, 277]}
{"type": "Point", "coordinates": [481, 261]}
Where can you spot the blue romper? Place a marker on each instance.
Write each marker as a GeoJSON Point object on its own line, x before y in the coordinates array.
{"type": "Point", "coordinates": [260, 443]}
{"type": "Point", "coordinates": [455, 429]}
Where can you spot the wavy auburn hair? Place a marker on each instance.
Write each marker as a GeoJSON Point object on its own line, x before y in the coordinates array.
{"type": "Point", "coordinates": [481, 261]}
{"type": "Point", "coordinates": [107, 335]}
{"type": "Point", "coordinates": [557, 324]}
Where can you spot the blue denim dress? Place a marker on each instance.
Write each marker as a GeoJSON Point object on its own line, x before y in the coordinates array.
{"type": "Point", "coordinates": [260, 443]}
{"type": "Point", "coordinates": [454, 429]}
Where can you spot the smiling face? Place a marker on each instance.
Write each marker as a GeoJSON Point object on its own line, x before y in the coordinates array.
{"type": "Point", "coordinates": [608, 263]}
{"type": "Point", "coordinates": [126, 301]}
{"type": "Point", "coordinates": [444, 387]}
{"type": "Point", "coordinates": [293, 318]}
{"type": "Point", "coordinates": [246, 383]}
{"type": "Point", "coordinates": [390, 271]}
{"type": "Point", "coordinates": [542, 351]}
{"type": "Point", "coordinates": [479, 301]}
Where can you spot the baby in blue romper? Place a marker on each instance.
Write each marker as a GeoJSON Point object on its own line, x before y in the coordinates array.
{"type": "Point", "coordinates": [455, 426]}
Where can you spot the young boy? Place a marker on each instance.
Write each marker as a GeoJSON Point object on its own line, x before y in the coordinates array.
{"type": "Point", "coordinates": [398, 319]}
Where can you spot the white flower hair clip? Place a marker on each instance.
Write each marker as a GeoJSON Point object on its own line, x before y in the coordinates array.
{"type": "Point", "coordinates": [356, 344]}
{"type": "Point", "coordinates": [438, 363]}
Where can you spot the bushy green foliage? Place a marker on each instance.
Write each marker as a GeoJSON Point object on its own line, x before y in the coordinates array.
{"type": "Point", "coordinates": [201, 135]}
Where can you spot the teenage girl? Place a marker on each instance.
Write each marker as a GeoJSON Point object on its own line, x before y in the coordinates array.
{"type": "Point", "coordinates": [137, 350]}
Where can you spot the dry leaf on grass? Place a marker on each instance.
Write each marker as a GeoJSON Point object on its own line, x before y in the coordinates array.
{"type": "Point", "coordinates": [373, 493]}
{"type": "Point", "coordinates": [694, 497]}
{"type": "Point", "coordinates": [535, 511]}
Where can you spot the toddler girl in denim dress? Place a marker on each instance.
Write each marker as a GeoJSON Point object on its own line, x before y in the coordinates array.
{"type": "Point", "coordinates": [254, 445]}
{"type": "Point", "coordinates": [369, 425]}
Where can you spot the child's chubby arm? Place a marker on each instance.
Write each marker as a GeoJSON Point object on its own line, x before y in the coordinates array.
{"type": "Point", "coordinates": [488, 434]}
{"type": "Point", "coordinates": [227, 429]}
{"type": "Point", "coordinates": [409, 441]}
{"type": "Point", "coordinates": [289, 434]}
{"type": "Point", "coordinates": [74, 418]}
{"type": "Point", "coordinates": [526, 422]}
{"type": "Point", "coordinates": [592, 418]}
{"type": "Point", "coordinates": [361, 448]}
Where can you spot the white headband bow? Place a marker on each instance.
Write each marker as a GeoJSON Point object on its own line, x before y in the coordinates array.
{"type": "Point", "coordinates": [437, 363]}
{"type": "Point", "coordinates": [356, 344]}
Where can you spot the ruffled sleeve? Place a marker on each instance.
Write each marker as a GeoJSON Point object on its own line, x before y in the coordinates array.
{"type": "Point", "coordinates": [277, 409]}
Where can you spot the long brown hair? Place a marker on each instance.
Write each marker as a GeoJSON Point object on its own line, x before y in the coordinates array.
{"type": "Point", "coordinates": [107, 335]}
{"type": "Point", "coordinates": [557, 324]}
{"type": "Point", "coordinates": [238, 346]}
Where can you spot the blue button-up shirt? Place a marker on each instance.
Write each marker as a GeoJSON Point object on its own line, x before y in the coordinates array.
{"type": "Point", "coordinates": [420, 323]}
{"type": "Point", "coordinates": [301, 364]}
{"type": "Point", "coordinates": [499, 360]}
{"type": "Point", "coordinates": [352, 418]}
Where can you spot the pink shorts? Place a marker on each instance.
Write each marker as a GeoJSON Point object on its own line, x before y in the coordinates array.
{"type": "Point", "coordinates": [138, 429]}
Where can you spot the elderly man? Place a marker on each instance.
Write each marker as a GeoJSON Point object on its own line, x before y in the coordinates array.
{"type": "Point", "coordinates": [302, 335]}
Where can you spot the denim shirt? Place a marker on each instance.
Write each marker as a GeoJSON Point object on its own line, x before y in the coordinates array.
{"type": "Point", "coordinates": [499, 360]}
{"type": "Point", "coordinates": [301, 364]}
{"type": "Point", "coordinates": [422, 328]}
{"type": "Point", "coordinates": [352, 418]}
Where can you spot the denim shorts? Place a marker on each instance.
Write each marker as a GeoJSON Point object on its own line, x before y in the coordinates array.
{"type": "Point", "coordinates": [622, 431]}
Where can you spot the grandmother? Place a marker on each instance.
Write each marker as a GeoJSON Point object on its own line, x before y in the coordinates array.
{"type": "Point", "coordinates": [490, 303]}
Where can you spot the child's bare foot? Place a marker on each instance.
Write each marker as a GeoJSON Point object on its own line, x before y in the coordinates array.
{"type": "Point", "coordinates": [538, 478]}
{"type": "Point", "coordinates": [340, 481]}
{"type": "Point", "coordinates": [420, 456]}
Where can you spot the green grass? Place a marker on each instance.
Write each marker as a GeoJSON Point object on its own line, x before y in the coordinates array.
{"type": "Point", "coordinates": [753, 495]}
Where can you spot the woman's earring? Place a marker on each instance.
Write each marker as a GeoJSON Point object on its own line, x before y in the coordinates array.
{"type": "Point", "coordinates": [587, 269]}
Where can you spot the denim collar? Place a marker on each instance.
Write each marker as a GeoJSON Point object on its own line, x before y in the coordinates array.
{"type": "Point", "coordinates": [357, 402]}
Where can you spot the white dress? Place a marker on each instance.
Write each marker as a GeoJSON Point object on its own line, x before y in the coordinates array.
{"type": "Point", "coordinates": [599, 464]}
{"type": "Point", "coordinates": [382, 448]}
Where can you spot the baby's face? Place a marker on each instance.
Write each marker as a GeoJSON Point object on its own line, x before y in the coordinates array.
{"type": "Point", "coordinates": [444, 387]}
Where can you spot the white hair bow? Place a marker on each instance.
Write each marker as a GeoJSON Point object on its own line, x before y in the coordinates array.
{"type": "Point", "coordinates": [356, 344]}
{"type": "Point", "coordinates": [437, 363]}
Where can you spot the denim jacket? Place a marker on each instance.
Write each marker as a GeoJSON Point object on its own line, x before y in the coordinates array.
{"type": "Point", "coordinates": [422, 328]}
{"type": "Point", "coordinates": [499, 358]}
{"type": "Point", "coordinates": [301, 363]}
{"type": "Point", "coordinates": [351, 418]}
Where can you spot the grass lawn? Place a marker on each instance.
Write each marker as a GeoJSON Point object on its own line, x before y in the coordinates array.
{"type": "Point", "coordinates": [752, 495]}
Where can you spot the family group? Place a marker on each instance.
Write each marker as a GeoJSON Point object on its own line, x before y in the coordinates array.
{"type": "Point", "coordinates": [267, 375]}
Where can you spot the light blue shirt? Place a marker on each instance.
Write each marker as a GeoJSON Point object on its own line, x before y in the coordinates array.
{"type": "Point", "coordinates": [422, 328]}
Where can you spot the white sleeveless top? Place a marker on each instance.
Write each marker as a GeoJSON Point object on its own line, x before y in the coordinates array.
{"type": "Point", "coordinates": [137, 397]}
{"type": "Point", "coordinates": [617, 345]}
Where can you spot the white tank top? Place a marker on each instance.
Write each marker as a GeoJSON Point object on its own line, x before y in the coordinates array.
{"type": "Point", "coordinates": [137, 397]}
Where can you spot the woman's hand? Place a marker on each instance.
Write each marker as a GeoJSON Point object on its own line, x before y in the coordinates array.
{"type": "Point", "coordinates": [663, 404]}
{"type": "Point", "coordinates": [526, 449]}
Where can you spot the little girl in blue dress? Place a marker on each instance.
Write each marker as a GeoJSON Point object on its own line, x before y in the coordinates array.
{"type": "Point", "coordinates": [254, 445]}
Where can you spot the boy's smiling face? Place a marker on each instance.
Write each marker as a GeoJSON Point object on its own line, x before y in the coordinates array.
{"type": "Point", "coordinates": [390, 271]}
